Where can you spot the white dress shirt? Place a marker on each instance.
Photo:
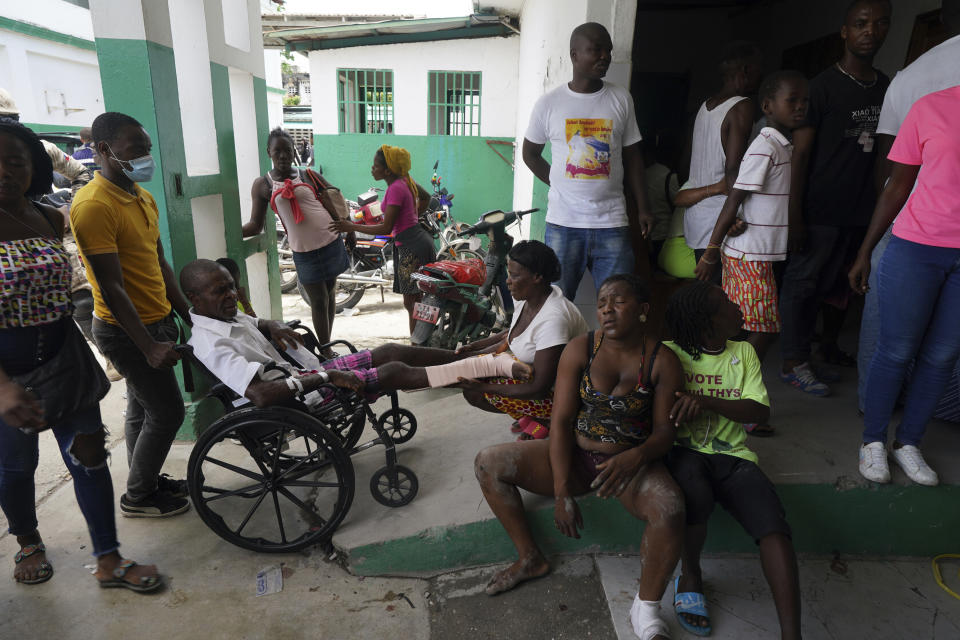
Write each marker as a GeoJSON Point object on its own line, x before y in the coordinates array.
{"type": "Point", "coordinates": [237, 352]}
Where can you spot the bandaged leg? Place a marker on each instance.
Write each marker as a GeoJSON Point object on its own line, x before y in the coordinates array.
{"type": "Point", "coordinates": [646, 621]}
{"type": "Point", "coordinates": [501, 365]}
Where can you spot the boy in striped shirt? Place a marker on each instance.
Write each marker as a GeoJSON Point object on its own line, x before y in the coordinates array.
{"type": "Point", "coordinates": [747, 246]}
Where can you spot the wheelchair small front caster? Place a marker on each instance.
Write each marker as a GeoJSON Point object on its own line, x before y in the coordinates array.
{"type": "Point", "coordinates": [396, 488]}
{"type": "Point", "coordinates": [399, 423]}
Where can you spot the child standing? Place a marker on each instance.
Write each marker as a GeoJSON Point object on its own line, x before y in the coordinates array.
{"type": "Point", "coordinates": [243, 299]}
{"type": "Point", "coordinates": [759, 238]}
{"type": "Point", "coordinates": [710, 461]}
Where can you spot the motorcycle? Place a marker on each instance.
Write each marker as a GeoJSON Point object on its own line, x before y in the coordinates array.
{"type": "Point", "coordinates": [463, 300]}
{"type": "Point", "coordinates": [288, 270]}
{"type": "Point", "coordinates": [371, 261]}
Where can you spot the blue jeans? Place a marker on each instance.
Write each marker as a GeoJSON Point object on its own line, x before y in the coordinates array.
{"type": "Point", "coordinates": [605, 252]}
{"type": "Point", "coordinates": [870, 322]}
{"type": "Point", "coordinates": [919, 294]}
{"type": "Point", "coordinates": [92, 485]}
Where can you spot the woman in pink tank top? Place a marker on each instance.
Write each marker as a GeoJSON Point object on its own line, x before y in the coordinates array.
{"type": "Point", "coordinates": [318, 253]}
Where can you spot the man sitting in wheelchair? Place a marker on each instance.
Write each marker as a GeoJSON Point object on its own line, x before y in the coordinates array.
{"type": "Point", "coordinates": [242, 352]}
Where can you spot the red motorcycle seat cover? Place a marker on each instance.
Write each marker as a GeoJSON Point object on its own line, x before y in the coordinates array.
{"type": "Point", "coordinates": [470, 271]}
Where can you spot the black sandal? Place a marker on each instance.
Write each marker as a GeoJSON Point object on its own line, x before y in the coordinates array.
{"type": "Point", "coordinates": [44, 569]}
{"type": "Point", "coordinates": [147, 583]}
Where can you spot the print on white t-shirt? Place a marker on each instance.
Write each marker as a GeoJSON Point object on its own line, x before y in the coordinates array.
{"type": "Point", "coordinates": [588, 148]}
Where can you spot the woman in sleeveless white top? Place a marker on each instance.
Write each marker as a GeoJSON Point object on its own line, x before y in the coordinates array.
{"type": "Point", "coordinates": [318, 253]}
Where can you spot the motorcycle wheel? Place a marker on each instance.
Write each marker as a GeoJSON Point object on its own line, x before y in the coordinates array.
{"type": "Point", "coordinates": [348, 296]}
{"type": "Point", "coordinates": [288, 270]}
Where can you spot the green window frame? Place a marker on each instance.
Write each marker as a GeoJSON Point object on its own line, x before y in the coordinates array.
{"type": "Point", "coordinates": [365, 101]}
{"type": "Point", "coordinates": [453, 103]}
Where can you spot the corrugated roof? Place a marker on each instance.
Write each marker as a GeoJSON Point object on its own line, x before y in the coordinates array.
{"type": "Point", "coordinates": [357, 34]}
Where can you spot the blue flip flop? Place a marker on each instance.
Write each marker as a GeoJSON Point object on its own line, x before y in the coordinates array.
{"type": "Point", "coordinates": [694, 604]}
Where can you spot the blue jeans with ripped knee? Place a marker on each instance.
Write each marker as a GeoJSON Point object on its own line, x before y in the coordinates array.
{"type": "Point", "coordinates": [94, 489]}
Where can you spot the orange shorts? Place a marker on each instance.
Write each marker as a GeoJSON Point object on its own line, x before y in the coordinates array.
{"type": "Point", "coordinates": [753, 287]}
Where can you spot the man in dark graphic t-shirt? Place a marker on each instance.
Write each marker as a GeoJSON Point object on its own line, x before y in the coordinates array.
{"type": "Point", "coordinates": [832, 194]}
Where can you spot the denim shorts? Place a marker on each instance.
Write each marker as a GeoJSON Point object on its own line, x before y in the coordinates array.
{"type": "Point", "coordinates": [323, 264]}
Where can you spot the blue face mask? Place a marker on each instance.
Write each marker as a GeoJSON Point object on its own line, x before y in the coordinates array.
{"type": "Point", "coordinates": [141, 169]}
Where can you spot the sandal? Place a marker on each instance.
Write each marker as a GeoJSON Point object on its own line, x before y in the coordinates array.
{"type": "Point", "coordinates": [692, 603]}
{"type": "Point", "coordinates": [147, 583]}
{"type": "Point", "coordinates": [759, 430]}
{"type": "Point", "coordinates": [44, 569]}
{"type": "Point", "coordinates": [515, 427]}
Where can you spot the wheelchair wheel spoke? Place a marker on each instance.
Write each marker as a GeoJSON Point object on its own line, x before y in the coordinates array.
{"type": "Point", "coordinates": [238, 470]}
{"type": "Point", "coordinates": [243, 492]}
{"type": "Point", "coordinates": [306, 483]}
{"type": "Point", "coordinates": [276, 507]}
{"type": "Point", "coordinates": [250, 513]}
{"type": "Point", "coordinates": [318, 520]}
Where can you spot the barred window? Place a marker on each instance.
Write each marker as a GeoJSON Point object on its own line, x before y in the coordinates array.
{"type": "Point", "coordinates": [365, 100]}
{"type": "Point", "coordinates": [453, 101]}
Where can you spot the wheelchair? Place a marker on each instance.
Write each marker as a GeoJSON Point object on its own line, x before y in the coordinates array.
{"type": "Point", "coordinates": [280, 479]}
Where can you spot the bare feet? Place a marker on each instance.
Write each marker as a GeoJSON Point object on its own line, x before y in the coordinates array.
{"type": "Point", "coordinates": [521, 371]}
{"type": "Point", "coordinates": [133, 576]}
{"type": "Point", "coordinates": [31, 561]}
{"type": "Point", "coordinates": [518, 572]}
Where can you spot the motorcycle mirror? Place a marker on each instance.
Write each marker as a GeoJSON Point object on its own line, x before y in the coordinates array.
{"type": "Point", "coordinates": [493, 217]}
{"type": "Point", "coordinates": [436, 164]}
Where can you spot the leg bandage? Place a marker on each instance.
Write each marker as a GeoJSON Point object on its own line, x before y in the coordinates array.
{"type": "Point", "coordinates": [646, 621]}
{"type": "Point", "coordinates": [500, 365]}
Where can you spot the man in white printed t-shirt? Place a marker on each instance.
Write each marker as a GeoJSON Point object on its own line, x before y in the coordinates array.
{"type": "Point", "coordinates": [935, 70]}
{"type": "Point", "coordinates": [595, 148]}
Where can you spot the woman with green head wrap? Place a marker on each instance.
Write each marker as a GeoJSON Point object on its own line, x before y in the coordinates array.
{"type": "Point", "coordinates": [414, 245]}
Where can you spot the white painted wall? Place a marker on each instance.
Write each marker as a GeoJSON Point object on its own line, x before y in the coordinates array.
{"type": "Point", "coordinates": [272, 75]}
{"type": "Point", "coordinates": [246, 148]}
{"type": "Point", "coordinates": [189, 28]}
{"type": "Point", "coordinates": [495, 58]}
{"type": "Point", "coordinates": [42, 75]}
{"type": "Point", "coordinates": [55, 15]}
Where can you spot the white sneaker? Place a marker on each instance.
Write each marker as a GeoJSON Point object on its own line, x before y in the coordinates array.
{"type": "Point", "coordinates": [911, 461]}
{"type": "Point", "coordinates": [873, 462]}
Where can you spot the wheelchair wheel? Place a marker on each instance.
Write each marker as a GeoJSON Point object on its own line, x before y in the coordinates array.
{"type": "Point", "coordinates": [394, 489]}
{"type": "Point", "coordinates": [400, 424]}
{"type": "Point", "coordinates": [270, 480]}
{"type": "Point", "coordinates": [346, 418]}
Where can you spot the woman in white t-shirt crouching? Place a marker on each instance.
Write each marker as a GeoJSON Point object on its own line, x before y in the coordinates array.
{"type": "Point", "coordinates": [543, 323]}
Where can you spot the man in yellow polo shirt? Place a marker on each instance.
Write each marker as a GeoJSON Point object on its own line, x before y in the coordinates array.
{"type": "Point", "coordinates": [115, 223]}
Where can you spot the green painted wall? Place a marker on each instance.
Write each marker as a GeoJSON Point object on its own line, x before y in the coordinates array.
{"type": "Point", "coordinates": [145, 87]}
{"type": "Point", "coordinates": [538, 223]}
{"type": "Point", "coordinates": [53, 128]}
{"type": "Point", "coordinates": [470, 169]}
{"type": "Point", "coordinates": [878, 520]}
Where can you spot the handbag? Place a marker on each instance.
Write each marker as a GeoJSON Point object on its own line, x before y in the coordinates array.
{"type": "Point", "coordinates": [69, 381]}
{"type": "Point", "coordinates": [330, 197]}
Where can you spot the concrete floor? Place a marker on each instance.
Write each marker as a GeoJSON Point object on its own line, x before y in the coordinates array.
{"type": "Point", "coordinates": [211, 584]}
